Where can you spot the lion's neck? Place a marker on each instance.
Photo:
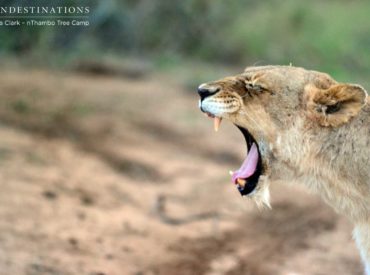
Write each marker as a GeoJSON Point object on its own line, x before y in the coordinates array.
{"type": "Point", "coordinates": [326, 164]}
{"type": "Point", "coordinates": [361, 234]}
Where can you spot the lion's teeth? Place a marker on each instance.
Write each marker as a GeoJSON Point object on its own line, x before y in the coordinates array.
{"type": "Point", "coordinates": [231, 173]}
{"type": "Point", "coordinates": [217, 122]}
{"type": "Point", "coordinates": [241, 182]}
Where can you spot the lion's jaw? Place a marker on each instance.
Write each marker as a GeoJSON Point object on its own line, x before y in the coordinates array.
{"type": "Point", "coordinates": [281, 149]}
{"type": "Point", "coordinates": [256, 126]}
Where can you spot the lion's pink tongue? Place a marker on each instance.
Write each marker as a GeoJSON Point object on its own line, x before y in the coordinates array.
{"type": "Point", "coordinates": [249, 165]}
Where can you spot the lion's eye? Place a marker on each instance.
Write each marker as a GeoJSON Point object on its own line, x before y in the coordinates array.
{"type": "Point", "coordinates": [254, 87]}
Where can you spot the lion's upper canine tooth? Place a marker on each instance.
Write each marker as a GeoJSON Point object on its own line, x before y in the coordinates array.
{"type": "Point", "coordinates": [217, 122]}
{"type": "Point", "coordinates": [231, 173]}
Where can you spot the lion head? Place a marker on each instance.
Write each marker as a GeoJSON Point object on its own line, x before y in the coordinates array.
{"type": "Point", "coordinates": [285, 114]}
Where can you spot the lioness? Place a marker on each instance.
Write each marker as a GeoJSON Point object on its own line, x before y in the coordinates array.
{"type": "Point", "coordinates": [300, 126]}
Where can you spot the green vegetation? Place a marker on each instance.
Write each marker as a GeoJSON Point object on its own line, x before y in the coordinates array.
{"type": "Point", "coordinates": [332, 36]}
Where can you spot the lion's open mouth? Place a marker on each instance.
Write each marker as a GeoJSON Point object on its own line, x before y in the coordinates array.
{"type": "Point", "coordinates": [247, 176]}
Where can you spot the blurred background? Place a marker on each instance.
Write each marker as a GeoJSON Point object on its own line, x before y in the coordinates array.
{"type": "Point", "coordinates": [108, 167]}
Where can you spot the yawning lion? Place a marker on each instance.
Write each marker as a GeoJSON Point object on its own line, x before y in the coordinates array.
{"type": "Point", "coordinates": [304, 127]}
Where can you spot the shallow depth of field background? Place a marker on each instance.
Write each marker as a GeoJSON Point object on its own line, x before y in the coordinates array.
{"type": "Point", "coordinates": [108, 167]}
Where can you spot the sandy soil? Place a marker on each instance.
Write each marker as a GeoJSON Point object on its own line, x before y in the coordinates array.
{"type": "Point", "coordinates": [111, 176]}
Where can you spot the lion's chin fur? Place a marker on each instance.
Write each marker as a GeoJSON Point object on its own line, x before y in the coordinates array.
{"type": "Point", "coordinates": [261, 195]}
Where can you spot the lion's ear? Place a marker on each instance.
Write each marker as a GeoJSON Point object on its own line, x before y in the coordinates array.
{"type": "Point", "coordinates": [335, 105]}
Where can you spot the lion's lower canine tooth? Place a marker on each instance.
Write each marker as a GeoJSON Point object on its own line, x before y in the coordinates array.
{"type": "Point", "coordinates": [241, 182]}
{"type": "Point", "coordinates": [217, 122]}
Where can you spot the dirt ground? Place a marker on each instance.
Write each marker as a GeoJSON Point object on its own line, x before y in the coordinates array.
{"type": "Point", "coordinates": [107, 175]}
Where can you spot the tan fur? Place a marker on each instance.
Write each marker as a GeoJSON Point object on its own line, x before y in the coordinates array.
{"type": "Point", "coordinates": [310, 130]}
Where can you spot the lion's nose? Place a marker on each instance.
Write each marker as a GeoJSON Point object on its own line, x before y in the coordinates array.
{"type": "Point", "coordinates": [205, 91]}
